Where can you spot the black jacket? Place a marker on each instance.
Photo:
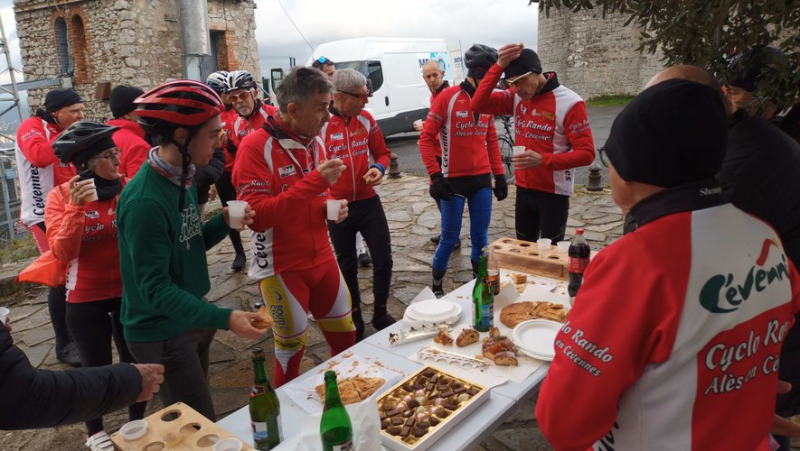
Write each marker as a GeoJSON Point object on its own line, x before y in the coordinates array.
{"type": "Point", "coordinates": [33, 399]}
{"type": "Point", "coordinates": [205, 176]}
{"type": "Point", "coordinates": [761, 175]}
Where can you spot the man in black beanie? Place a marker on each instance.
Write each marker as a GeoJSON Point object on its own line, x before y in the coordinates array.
{"type": "Point", "coordinates": [551, 122]}
{"type": "Point", "coordinates": [130, 136]}
{"type": "Point", "coordinates": [39, 171]}
{"type": "Point", "coordinates": [683, 318]}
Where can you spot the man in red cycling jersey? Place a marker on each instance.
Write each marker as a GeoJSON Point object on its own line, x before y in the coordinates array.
{"type": "Point", "coordinates": [551, 122]}
{"type": "Point", "coordinates": [280, 173]}
{"type": "Point", "coordinates": [39, 171]}
{"type": "Point", "coordinates": [353, 136]}
{"type": "Point", "coordinates": [130, 136]}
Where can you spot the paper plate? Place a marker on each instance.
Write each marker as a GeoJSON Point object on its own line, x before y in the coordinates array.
{"type": "Point", "coordinates": [433, 310]}
{"type": "Point", "coordinates": [537, 338]}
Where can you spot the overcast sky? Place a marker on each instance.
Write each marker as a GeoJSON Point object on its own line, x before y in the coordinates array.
{"type": "Point", "coordinates": [491, 22]}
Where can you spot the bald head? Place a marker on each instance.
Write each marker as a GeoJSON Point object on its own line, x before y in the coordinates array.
{"type": "Point", "coordinates": [432, 65]}
{"type": "Point", "coordinates": [691, 73]}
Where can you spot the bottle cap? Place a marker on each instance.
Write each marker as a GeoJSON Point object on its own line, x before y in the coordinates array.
{"type": "Point", "coordinates": [258, 352]}
{"type": "Point", "coordinates": [579, 231]}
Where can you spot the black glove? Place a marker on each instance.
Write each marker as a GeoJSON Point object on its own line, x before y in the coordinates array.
{"type": "Point", "coordinates": [441, 189]}
{"type": "Point", "coordinates": [500, 187]}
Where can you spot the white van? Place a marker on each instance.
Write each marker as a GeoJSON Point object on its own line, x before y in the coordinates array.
{"type": "Point", "coordinates": [394, 68]}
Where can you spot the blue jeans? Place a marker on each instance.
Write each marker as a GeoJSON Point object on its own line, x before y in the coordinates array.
{"type": "Point", "coordinates": [480, 214]}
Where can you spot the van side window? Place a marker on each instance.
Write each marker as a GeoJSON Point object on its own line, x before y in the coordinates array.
{"type": "Point", "coordinates": [375, 74]}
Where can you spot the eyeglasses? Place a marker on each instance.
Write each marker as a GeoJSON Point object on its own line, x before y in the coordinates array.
{"type": "Point", "coordinates": [241, 97]}
{"type": "Point", "coordinates": [601, 152]}
{"type": "Point", "coordinates": [363, 96]}
{"type": "Point", "coordinates": [516, 81]}
{"type": "Point", "coordinates": [111, 155]}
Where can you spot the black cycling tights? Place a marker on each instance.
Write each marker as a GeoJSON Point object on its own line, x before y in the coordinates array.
{"type": "Point", "coordinates": [92, 325]}
{"type": "Point", "coordinates": [541, 214]}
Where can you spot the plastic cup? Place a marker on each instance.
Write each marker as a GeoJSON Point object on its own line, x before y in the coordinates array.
{"type": "Point", "coordinates": [519, 150]}
{"type": "Point", "coordinates": [236, 213]}
{"type": "Point", "coordinates": [563, 246]}
{"type": "Point", "coordinates": [228, 444]}
{"type": "Point", "coordinates": [334, 205]}
{"type": "Point", "coordinates": [133, 430]}
{"type": "Point", "coordinates": [544, 244]}
{"type": "Point", "coordinates": [4, 312]}
{"type": "Point", "coordinates": [93, 195]}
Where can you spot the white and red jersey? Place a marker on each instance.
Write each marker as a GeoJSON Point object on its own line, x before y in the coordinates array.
{"type": "Point", "coordinates": [276, 174]}
{"type": "Point", "coordinates": [553, 123]}
{"type": "Point", "coordinates": [353, 140]}
{"type": "Point", "coordinates": [674, 338]}
{"type": "Point", "coordinates": [468, 141]}
{"type": "Point", "coordinates": [129, 139]}
{"type": "Point", "coordinates": [86, 237]}
{"type": "Point", "coordinates": [437, 145]}
{"type": "Point", "coordinates": [38, 167]}
{"type": "Point", "coordinates": [242, 126]}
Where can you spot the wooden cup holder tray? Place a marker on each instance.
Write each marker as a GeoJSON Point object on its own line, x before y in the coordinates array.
{"type": "Point", "coordinates": [525, 256]}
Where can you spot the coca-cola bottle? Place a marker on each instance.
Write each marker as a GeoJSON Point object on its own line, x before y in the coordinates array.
{"type": "Point", "coordinates": [578, 261]}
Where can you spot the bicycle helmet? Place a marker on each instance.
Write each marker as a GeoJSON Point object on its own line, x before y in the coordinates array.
{"type": "Point", "coordinates": [82, 141]}
{"type": "Point", "coordinates": [217, 81]}
{"type": "Point", "coordinates": [479, 59]}
{"type": "Point", "coordinates": [239, 79]}
{"type": "Point", "coordinates": [178, 104]}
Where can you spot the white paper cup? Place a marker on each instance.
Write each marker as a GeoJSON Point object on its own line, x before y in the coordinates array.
{"type": "Point", "coordinates": [236, 213]}
{"type": "Point", "coordinates": [228, 444]}
{"type": "Point", "coordinates": [563, 247]}
{"type": "Point", "coordinates": [4, 312]}
{"type": "Point", "coordinates": [519, 150]}
{"type": "Point", "coordinates": [133, 430]}
{"type": "Point", "coordinates": [93, 195]}
{"type": "Point", "coordinates": [334, 205]}
{"type": "Point", "coordinates": [544, 244]}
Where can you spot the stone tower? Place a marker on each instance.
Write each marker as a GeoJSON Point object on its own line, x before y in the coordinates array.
{"type": "Point", "coordinates": [105, 43]}
{"type": "Point", "coordinates": [592, 55]}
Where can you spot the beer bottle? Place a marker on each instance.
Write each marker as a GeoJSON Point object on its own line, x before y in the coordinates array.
{"type": "Point", "coordinates": [493, 270]}
{"type": "Point", "coordinates": [335, 428]}
{"type": "Point", "coordinates": [483, 297]}
{"type": "Point", "coordinates": [265, 409]}
{"type": "Point", "coordinates": [579, 253]}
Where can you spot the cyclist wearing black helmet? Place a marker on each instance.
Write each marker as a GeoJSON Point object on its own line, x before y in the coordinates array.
{"type": "Point", "coordinates": [82, 233]}
{"type": "Point", "coordinates": [470, 155]}
{"type": "Point", "coordinates": [551, 122]}
{"type": "Point", "coordinates": [163, 245]}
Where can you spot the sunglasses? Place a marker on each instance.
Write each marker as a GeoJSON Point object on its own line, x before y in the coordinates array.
{"type": "Point", "coordinates": [241, 97]}
{"type": "Point", "coordinates": [601, 152]}
{"type": "Point", "coordinates": [362, 96]}
{"type": "Point", "coordinates": [110, 155]}
{"type": "Point", "coordinates": [516, 81]}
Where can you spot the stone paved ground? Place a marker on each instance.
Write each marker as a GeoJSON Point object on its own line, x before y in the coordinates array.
{"type": "Point", "coordinates": [413, 219]}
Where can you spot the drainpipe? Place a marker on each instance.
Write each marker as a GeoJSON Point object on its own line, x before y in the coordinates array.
{"type": "Point", "coordinates": [195, 38]}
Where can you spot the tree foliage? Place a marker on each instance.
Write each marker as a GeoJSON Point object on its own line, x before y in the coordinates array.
{"type": "Point", "coordinates": [708, 33]}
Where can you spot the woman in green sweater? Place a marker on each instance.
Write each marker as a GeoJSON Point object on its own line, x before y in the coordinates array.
{"type": "Point", "coordinates": [163, 245]}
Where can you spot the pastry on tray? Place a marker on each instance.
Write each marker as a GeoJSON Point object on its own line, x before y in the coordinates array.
{"type": "Point", "coordinates": [499, 349]}
{"type": "Point", "coordinates": [443, 337]}
{"type": "Point", "coordinates": [513, 314]}
{"type": "Point", "coordinates": [467, 337]}
{"type": "Point", "coordinates": [353, 389]}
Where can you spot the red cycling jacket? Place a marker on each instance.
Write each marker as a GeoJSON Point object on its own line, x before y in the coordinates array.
{"type": "Point", "coordinates": [38, 168]}
{"type": "Point", "coordinates": [674, 343]}
{"type": "Point", "coordinates": [276, 174]}
{"type": "Point", "coordinates": [468, 140]}
{"type": "Point", "coordinates": [553, 123]}
{"type": "Point", "coordinates": [436, 144]}
{"type": "Point", "coordinates": [242, 126]}
{"type": "Point", "coordinates": [133, 148]}
{"type": "Point", "coordinates": [353, 140]}
{"type": "Point", "coordinates": [85, 236]}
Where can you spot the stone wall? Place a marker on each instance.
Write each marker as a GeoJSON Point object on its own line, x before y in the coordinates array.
{"type": "Point", "coordinates": [134, 42]}
{"type": "Point", "coordinates": [594, 56]}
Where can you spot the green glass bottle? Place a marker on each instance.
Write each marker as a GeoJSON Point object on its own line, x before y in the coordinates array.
{"type": "Point", "coordinates": [335, 428]}
{"type": "Point", "coordinates": [265, 409]}
{"type": "Point", "coordinates": [483, 297]}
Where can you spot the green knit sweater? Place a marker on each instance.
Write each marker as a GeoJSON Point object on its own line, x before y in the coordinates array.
{"type": "Point", "coordinates": [163, 260]}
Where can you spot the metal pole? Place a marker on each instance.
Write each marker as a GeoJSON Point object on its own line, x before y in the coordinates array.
{"type": "Point", "coordinates": [10, 68]}
{"type": "Point", "coordinates": [7, 202]}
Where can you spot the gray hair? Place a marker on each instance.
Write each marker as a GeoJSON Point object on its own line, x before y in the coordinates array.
{"type": "Point", "coordinates": [349, 80]}
{"type": "Point", "coordinates": [300, 85]}
{"type": "Point", "coordinates": [435, 64]}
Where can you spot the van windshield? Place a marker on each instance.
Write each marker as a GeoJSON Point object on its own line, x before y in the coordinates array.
{"type": "Point", "coordinates": [371, 69]}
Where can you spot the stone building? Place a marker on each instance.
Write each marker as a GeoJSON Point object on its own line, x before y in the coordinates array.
{"type": "Point", "coordinates": [104, 43]}
{"type": "Point", "coordinates": [592, 55]}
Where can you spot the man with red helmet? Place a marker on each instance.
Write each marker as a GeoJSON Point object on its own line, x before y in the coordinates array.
{"type": "Point", "coordinates": [163, 245]}
{"type": "Point", "coordinates": [279, 171]}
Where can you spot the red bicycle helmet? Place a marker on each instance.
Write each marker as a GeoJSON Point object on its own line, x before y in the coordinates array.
{"type": "Point", "coordinates": [183, 103]}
